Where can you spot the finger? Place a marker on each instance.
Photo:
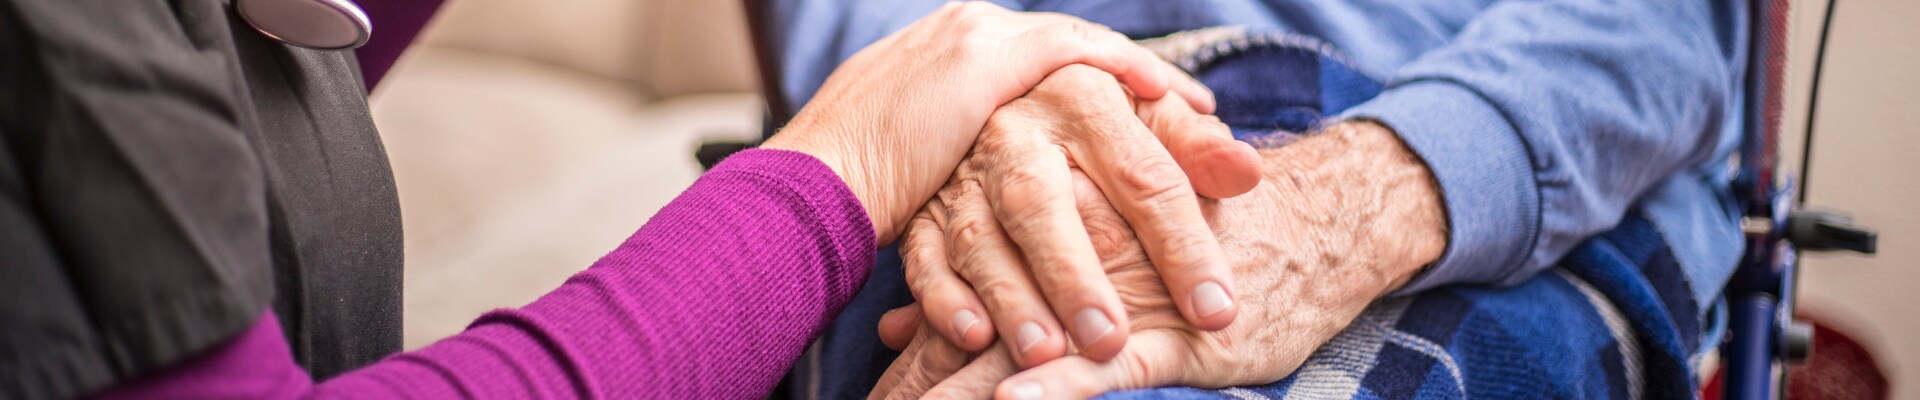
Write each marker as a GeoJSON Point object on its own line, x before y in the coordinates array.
{"type": "Point", "coordinates": [982, 254]}
{"type": "Point", "coordinates": [978, 379]}
{"type": "Point", "coordinates": [1155, 359]}
{"type": "Point", "coordinates": [1030, 186]}
{"type": "Point", "coordinates": [897, 370]}
{"type": "Point", "coordinates": [925, 363]}
{"type": "Point", "coordinates": [1112, 238]}
{"type": "Point", "coordinates": [1064, 40]}
{"type": "Point", "coordinates": [957, 314]}
{"type": "Point", "coordinates": [898, 326]}
{"type": "Point", "coordinates": [1148, 187]}
{"type": "Point", "coordinates": [1198, 96]}
{"type": "Point", "coordinates": [1217, 165]}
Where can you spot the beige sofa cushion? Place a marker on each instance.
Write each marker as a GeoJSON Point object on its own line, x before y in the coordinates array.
{"type": "Point", "coordinates": [663, 48]}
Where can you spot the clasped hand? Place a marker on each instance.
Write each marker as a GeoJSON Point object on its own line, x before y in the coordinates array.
{"type": "Point", "coordinates": [895, 120]}
{"type": "Point", "coordinates": [1329, 224]}
{"type": "Point", "coordinates": [1071, 238]}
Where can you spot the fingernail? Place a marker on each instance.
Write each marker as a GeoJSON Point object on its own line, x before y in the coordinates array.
{"type": "Point", "coordinates": [1030, 334]}
{"type": "Point", "coordinates": [1090, 325]}
{"type": "Point", "coordinates": [1209, 299]}
{"type": "Point", "coordinates": [963, 321]}
{"type": "Point", "coordinates": [1028, 391]}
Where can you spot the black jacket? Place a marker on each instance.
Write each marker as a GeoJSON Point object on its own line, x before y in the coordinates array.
{"type": "Point", "coordinates": [166, 175]}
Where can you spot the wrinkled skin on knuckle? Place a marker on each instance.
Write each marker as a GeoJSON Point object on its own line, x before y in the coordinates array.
{"type": "Point", "coordinates": [1112, 238]}
{"type": "Point", "coordinates": [1001, 290]}
{"type": "Point", "coordinates": [1156, 182]}
{"type": "Point", "coordinates": [970, 244]}
{"type": "Point", "coordinates": [970, 235]}
{"type": "Point", "coordinates": [967, 175]}
{"type": "Point", "coordinates": [971, 231]}
{"type": "Point", "coordinates": [921, 255]}
{"type": "Point", "coordinates": [916, 249]}
{"type": "Point", "coordinates": [1012, 131]}
{"type": "Point", "coordinates": [934, 361]}
{"type": "Point", "coordinates": [1023, 190]}
{"type": "Point", "coordinates": [1140, 289]}
{"type": "Point", "coordinates": [1142, 369]}
{"type": "Point", "coordinates": [1185, 246]}
{"type": "Point", "coordinates": [918, 259]}
{"type": "Point", "coordinates": [1079, 92]}
{"type": "Point", "coordinates": [1067, 291]}
{"type": "Point", "coordinates": [1147, 301]}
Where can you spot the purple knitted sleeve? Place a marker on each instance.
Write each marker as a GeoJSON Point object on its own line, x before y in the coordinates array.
{"type": "Point", "coordinates": [714, 298]}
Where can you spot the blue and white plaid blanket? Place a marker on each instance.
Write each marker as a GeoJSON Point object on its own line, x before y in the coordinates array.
{"type": "Point", "coordinates": [1596, 327]}
{"type": "Point", "coordinates": [1616, 319]}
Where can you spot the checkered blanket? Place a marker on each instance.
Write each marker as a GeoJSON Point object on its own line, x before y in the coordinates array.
{"type": "Point", "coordinates": [1596, 327]}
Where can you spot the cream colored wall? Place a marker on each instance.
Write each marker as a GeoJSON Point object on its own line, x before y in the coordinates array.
{"type": "Point", "coordinates": [1866, 160]}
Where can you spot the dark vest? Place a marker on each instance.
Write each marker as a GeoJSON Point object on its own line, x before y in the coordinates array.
{"type": "Point", "coordinates": [167, 175]}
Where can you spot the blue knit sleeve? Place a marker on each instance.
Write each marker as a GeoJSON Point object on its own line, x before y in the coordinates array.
{"type": "Point", "coordinates": [1544, 121]}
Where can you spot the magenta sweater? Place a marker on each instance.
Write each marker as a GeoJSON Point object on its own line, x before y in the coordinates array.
{"type": "Point", "coordinates": [713, 298]}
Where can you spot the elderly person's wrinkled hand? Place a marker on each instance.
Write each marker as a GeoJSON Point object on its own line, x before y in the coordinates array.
{"type": "Point", "coordinates": [895, 119]}
{"type": "Point", "coordinates": [1340, 219]}
{"type": "Point", "coordinates": [1020, 262]}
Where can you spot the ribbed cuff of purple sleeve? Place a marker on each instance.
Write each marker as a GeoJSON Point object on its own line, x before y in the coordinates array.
{"type": "Point", "coordinates": [842, 216]}
{"type": "Point", "coordinates": [1485, 176]}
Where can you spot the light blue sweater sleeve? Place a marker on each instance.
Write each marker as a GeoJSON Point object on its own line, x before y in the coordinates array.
{"type": "Point", "coordinates": [1544, 121]}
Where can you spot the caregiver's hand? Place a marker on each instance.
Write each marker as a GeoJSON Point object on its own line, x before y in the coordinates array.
{"type": "Point", "coordinates": [1015, 257]}
{"type": "Point", "coordinates": [895, 119]}
{"type": "Point", "coordinates": [1340, 219]}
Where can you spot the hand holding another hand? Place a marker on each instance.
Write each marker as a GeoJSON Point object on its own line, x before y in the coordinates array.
{"type": "Point", "coordinates": [894, 120]}
{"type": "Point", "coordinates": [1340, 219]}
{"type": "Point", "coordinates": [1020, 262]}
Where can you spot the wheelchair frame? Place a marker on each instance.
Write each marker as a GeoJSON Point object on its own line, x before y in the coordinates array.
{"type": "Point", "coordinates": [1764, 341]}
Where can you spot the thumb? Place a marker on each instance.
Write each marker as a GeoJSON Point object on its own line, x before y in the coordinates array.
{"type": "Point", "coordinates": [1218, 166]}
{"type": "Point", "coordinates": [898, 325]}
{"type": "Point", "coordinates": [1152, 358]}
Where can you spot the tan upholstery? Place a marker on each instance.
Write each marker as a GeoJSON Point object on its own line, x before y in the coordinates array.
{"type": "Point", "coordinates": [530, 137]}
{"type": "Point", "coordinates": [665, 47]}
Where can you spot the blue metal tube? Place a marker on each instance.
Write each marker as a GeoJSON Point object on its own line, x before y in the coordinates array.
{"type": "Point", "coordinates": [1749, 349]}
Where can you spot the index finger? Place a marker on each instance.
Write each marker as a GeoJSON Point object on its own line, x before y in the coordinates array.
{"type": "Point", "coordinates": [1058, 40]}
{"type": "Point", "coordinates": [1197, 95]}
{"type": "Point", "coordinates": [1157, 359]}
{"type": "Point", "coordinates": [925, 363]}
{"type": "Point", "coordinates": [1218, 166]}
{"type": "Point", "coordinates": [1149, 189]}
{"type": "Point", "coordinates": [978, 379]}
{"type": "Point", "coordinates": [1031, 192]}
